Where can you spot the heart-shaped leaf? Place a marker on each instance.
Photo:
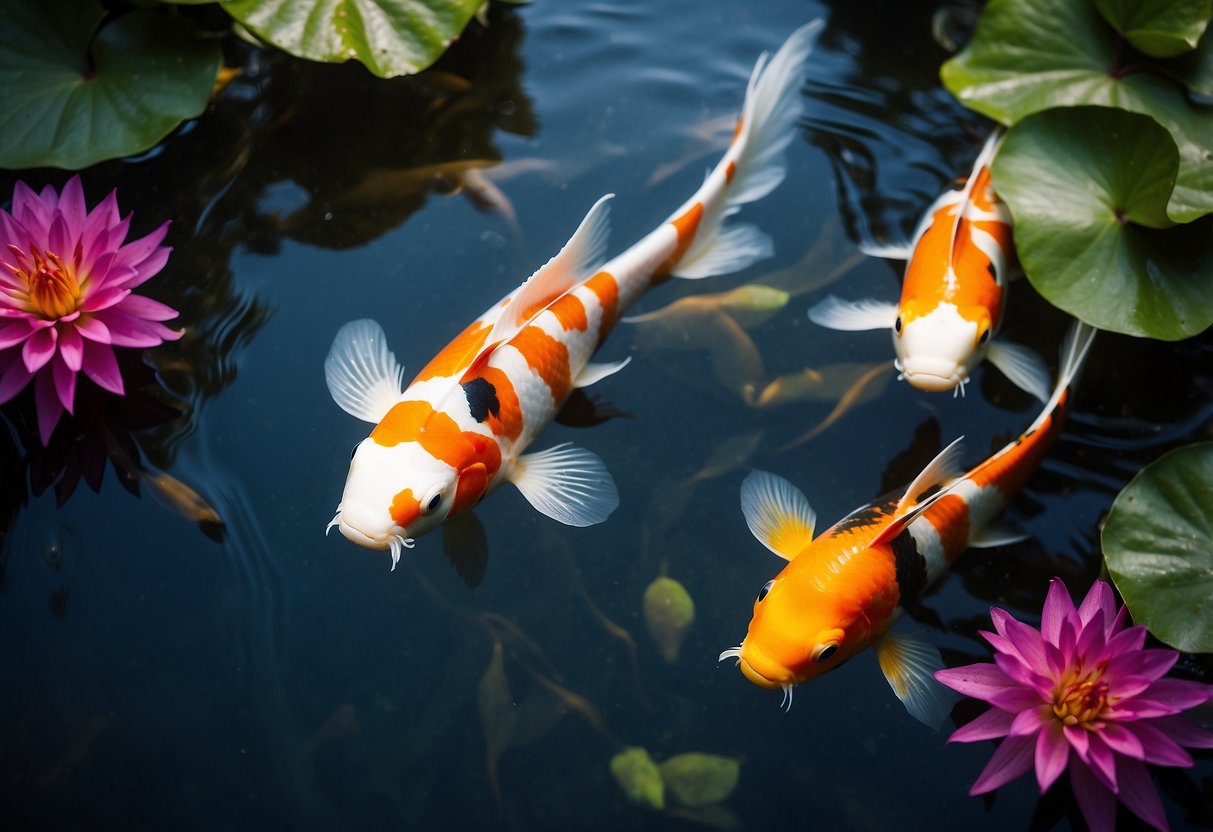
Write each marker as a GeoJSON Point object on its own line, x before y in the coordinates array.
{"type": "Point", "coordinates": [1158, 542]}
{"type": "Point", "coordinates": [1030, 55]}
{"type": "Point", "coordinates": [1088, 189]}
{"type": "Point", "coordinates": [389, 37]}
{"type": "Point", "coordinates": [73, 95]}
{"type": "Point", "coordinates": [1161, 28]}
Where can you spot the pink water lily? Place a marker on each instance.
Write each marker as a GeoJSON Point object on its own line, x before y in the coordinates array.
{"type": "Point", "coordinates": [1084, 693]}
{"type": "Point", "coordinates": [66, 301]}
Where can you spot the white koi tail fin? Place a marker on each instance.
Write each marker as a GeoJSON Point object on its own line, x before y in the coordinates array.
{"type": "Point", "coordinates": [1073, 353]}
{"type": "Point", "coordinates": [755, 163]}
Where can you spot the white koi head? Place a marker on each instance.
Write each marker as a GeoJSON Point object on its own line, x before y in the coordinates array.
{"type": "Point", "coordinates": [939, 350]}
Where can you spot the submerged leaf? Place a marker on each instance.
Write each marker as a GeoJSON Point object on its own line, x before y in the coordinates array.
{"type": "Point", "coordinates": [1158, 542]}
{"type": "Point", "coordinates": [638, 776]}
{"type": "Point", "coordinates": [696, 779]}
{"type": "Point", "coordinates": [1032, 55]}
{"type": "Point", "coordinates": [668, 613]}
{"type": "Point", "coordinates": [1088, 190]}
{"type": "Point", "coordinates": [1161, 28]}
{"type": "Point", "coordinates": [389, 37]}
{"type": "Point", "coordinates": [73, 96]}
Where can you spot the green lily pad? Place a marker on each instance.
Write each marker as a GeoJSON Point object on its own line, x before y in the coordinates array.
{"type": "Point", "coordinates": [389, 37]}
{"type": "Point", "coordinates": [1088, 188]}
{"type": "Point", "coordinates": [1158, 542]}
{"type": "Point", "coordinates": [1196, 68]}
{"type": "Point", "coordinates": [73, 96]}
{"type": "Point", "coordinates": [696, 779]}
{"type": "Point", "coordinates": [1161, 28]}
{"type": "Point", "coordinates": [1031, 55]}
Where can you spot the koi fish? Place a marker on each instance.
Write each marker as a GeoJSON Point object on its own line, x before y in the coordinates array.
{"type": "Point", "coordinates": [841, 592]}
{"type": "Point", "coordinates": [953, 294]}
{"type": "Point", "coordinates": [460, 427]}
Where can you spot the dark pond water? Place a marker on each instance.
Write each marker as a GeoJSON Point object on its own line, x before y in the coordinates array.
{"type": "Point", "coordinates": [153, 677]}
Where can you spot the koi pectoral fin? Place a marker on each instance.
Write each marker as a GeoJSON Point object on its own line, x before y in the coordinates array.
{"type": "Point", "coordinates": [362, 374]}
{"type": "Point", "coordinates": [467, 547]}
{"type": "Point", "coordinates": [909, 664]}
{"type": "Point", "coordinates": [567, 483]}
{"type": "Point", "coordinates": [1023, 367]}
{"type": "Point", "coordinates": [835, 313]}
{"type": "Point", "coordinates": [777, 513]}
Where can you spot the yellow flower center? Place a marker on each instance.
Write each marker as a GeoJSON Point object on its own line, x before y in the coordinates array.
{"type": "Point", "coordinates": [51, 285]}
{"type": "Point", "coordinates": [1080, 700]}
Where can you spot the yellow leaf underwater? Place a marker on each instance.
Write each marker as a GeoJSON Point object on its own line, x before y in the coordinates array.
{"type": "Point", "coordinates": [696, 779]}
{"type": "Point", "coordinates": [668, 613]}
{"type": "Point", "coordinates": [638, 776]}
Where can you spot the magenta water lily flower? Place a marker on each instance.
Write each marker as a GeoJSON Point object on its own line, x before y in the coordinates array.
{"type": "Point", "coordinates": [66, 281]}
{"type": "Point", "coordinates": [1083, 693]}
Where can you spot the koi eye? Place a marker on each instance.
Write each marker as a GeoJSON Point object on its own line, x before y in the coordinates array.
{"type": "Point", "coordinates": [762, 593]}
{"type": "Point", "coordinates": [433, 500]}
{"type": "Point", "coordinates": [824, 652]}
{"type": "Point", "coordinates": [897, 325]}
{"type": "Point", "coordinates": [353, 451]}
{"type": "Point", "coordinates": [985, 336]}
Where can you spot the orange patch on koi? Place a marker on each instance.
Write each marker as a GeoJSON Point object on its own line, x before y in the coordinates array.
{"type": "Point", "coordinates": [547, 357]}
{"type": "Point", "coordinates": [508, 421]}
{"type": "Point", "coordinates": [405, 508]}
{"type": "Point", "coordinates": [570, 311]}
{"type": "Point", "coordinates": [454, 356]}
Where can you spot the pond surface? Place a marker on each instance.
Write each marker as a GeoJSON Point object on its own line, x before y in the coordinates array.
{"type": "Point", "coordinates": [159, 677]}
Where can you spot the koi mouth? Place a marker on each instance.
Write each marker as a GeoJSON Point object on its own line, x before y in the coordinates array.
{"type": "Point", "coordinates": [934, 380]}
{"type": "Point", "coordinates": [757, 678]}
{"type": "Point", "coordinates": [395, 539]}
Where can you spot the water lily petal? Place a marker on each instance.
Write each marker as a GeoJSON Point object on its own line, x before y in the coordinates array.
{"type": "Point", "coordinates": [1178, 694]}
{"type": "Point", "coordinates": [71, 203]}
{"type": "Point", "coordinates": [137, 253]}
{"type": "Point", "coordinates": [38, 349]}
{"type": "Point", "coordinates": [1057, 609]}
{"type": "Point", "coordinates": [1102, 761]}
{"type": "Point", "coordinates": [64, 379]}
{"type": "Point", "coordinates": [1156, 662]}
{"type": "Point", "coordinates": [1079, 738]}
{"type": "Point", "coordinates": [59, 239]}
{"type": "Point", "coordinates": [1126, 641]}
{"type": "Point", "coordinates": [126, 331]}
{"type": "Point", "coordinates": [991, 725]}
{"type": "Point", "coordinates": [977, 680]}
{"type": "Point", "coordinates": [1012, 758]}
{"type": "Point", "coordinates": [1052, 754]}
{"type": "Point", "coordinates": [148, 309]}
{"type": "Point", "coordinates": [150, 266]}
{"type": "Point", "coordinates": [1000, 617]}
{"type": "Point", "coordinates": [29, 210]}
{"type": "Point", "coordinates": [1097, 803]}
{"type": "Point", "coordinates": [1157, 747]}
{"type": "Point", "coordinates": [13, 380]}
{"type": "Point", "coordinates": [1122, 740]}
{"type": "Point", "coordinates": [104, 299]}
{"type": "Point", "coordinates": [93, 329]}
{"type": "Point", "coordinates": [1028, 642]}
{"type": "Point", "coordinates": [1015, 699]}
{"type": "Point", "coordinates": [1138, 793]}
{"type": "Point", "coordinates": [14, 331]}
{"type": "Point", "coordinates": [1024, 676]}
{"type": "Point", "coordinates": [47, 403]}
{"type": "Point", "coordinates": [1090, 643]}
{"type": "Point", "coordinates": [71, 350]}
{"type": "Point", "coordinates": [1028, 721]}
{"type": "Point", "coordinates": [100, 220]}
{"type": "Point", "coordinates": [1184, 731]}
{"type": "Point", "coordinates": [1099, 602]}
{"type": "Point", "coordinates": [101, 366]}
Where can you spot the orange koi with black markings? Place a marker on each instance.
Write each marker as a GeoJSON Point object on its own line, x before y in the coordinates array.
{"type": "Point", "coordinates": [460, 427]}
{"type": "Point", "coordinates": [842, 591]}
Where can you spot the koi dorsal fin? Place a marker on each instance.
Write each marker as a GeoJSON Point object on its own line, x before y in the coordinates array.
{"type": "Point", "coordinates": [777, 513]}
{"type": "Point", "coordinates": [572, 264]}
{"type": "Point", "coordinates": [984, 159]}
{"type": "Point", "coordinates": [943, 471]}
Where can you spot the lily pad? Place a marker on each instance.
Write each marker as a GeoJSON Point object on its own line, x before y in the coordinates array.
{"type": "Point", "coordinates": [389, 37]}
{"type": "Point", "coordinates": [696, 779]}
{"type": "Point", "coordinates": [73, 95]}
{"type": "Point", "coordinates": [1158, 542]}
{"type": "Point", "coordinates": [1031, 55]}
{"type": "Point", "coordinates": [1196, 68]}
{"type": "Point", "coordinates": [1161, 28]}
{"type": "Point", "coordinates": [1088, 189]}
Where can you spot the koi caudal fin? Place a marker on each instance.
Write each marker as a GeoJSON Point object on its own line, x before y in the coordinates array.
{"type": "Point", "coordinates": [754, 164]}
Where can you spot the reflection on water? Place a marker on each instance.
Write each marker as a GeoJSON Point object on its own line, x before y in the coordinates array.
{"type": "Point", "coordinates": [155, 676]}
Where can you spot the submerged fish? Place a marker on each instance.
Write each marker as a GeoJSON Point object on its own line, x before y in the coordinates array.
{"type": "Point", "coordinates": [459, 429]}
{"type": "Point", "coordinates": [953, 294]}
{"type": "Point", "coordinates": [841, 592]}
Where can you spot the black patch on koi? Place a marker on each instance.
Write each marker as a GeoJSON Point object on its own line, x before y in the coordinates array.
{"type": "Point", "coordinates": [992, 270]}
{"type": "Point", "coordinates": [869, 515]}
{"type": "Point", "coordinates": [911, 568]}
{"type": "Point", "coordinates": [482, 398]}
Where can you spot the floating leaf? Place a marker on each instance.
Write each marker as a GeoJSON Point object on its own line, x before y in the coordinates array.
{"type": "Point", "coordinates": [696, 779]}
{"type": "Point", "coordinates": [638, 776]}
{"type": "Point", "coordinates": [1088, 189]}
{"type": "Point", "coordinates": [668, 613]}
{"type": "Point", "coordinates": [1030, 55]}
{"type": "Point", "coordinates": [1158, 542]}
{"type": "Point", "coordinates": [1161, 28]}
{"type": "Point", "coordinates": [389, 37]}
{"type": "Point", "coordinates": [1196, 68]}
{"type": "Point", "coordinates": [73, 96]}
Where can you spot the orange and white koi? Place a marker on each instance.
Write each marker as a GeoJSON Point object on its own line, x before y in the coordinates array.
{"type": "Point", "coordinates": [841, 592]}
{"type": "Point", "coordinates": [459, 429]}
{"type": "Point", "coordinates": [953, 293]}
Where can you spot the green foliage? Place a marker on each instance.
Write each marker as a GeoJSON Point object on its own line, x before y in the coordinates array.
{"type": "Point", "coordinates": [1161, 28]}
{"type": "Point", "coordinates": [74, 95]}
{"type": "Point", "coordinates": [1088, 190]}
{"type": "Point", "coordinates": [1158, 541]}
{"type": "Point", "coordinates": [390, 37]}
